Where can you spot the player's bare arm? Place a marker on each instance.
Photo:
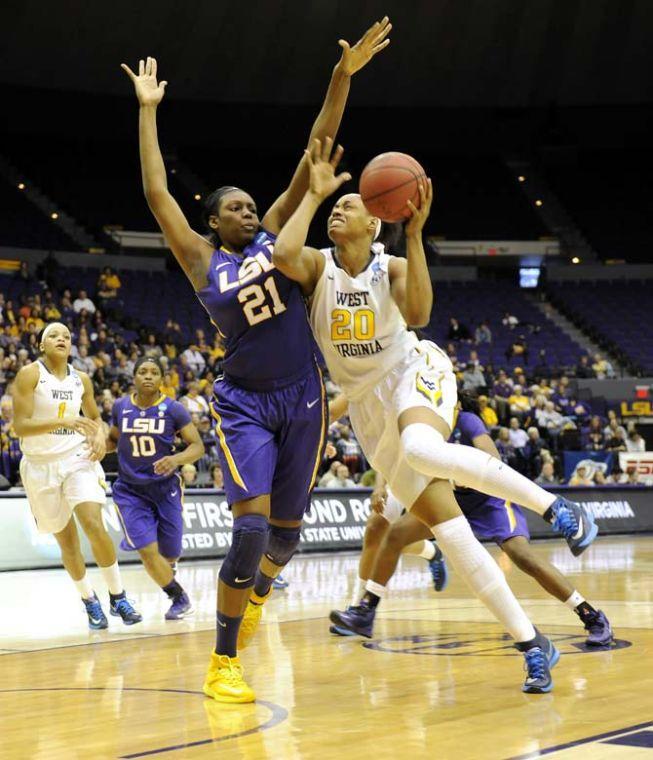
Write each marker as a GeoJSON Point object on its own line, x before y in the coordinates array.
{"type": "Point", "coordinates": [23, 397]}
{"type": "Point", "coordinates": [409, 278]}
{"type": "Point", "coordinates": [327, 123]}
{"type": "Point", "coordinates": [291, 256]}
{"type": "Point", "coordinates": [192, 251]}
{"type": "Point", "coordinates": [112, 439]}
{"type": "Point", "coordinates": [338, 407]}
{"type": "Point", "coordinates": [194, 450]}
{"type": "Point", "coordinates": [97, 440]}
{"type": "Point", "coordinates": [379, 494]}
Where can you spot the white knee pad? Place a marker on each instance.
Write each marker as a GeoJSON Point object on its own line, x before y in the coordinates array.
{"type": "Point", "coordinates": [426, 450]}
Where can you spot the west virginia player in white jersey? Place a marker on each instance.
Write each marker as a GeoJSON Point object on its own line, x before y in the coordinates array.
{"type": "Point", "coordinates": [402, 391]}
{"type": "Point", "coordinates": [60, 467]}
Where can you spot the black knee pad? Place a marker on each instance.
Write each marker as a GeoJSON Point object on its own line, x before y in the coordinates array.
{"type": "Point", "coordinates": [282, 544]}
{"type": "Point", "coordinates": [249, 537]}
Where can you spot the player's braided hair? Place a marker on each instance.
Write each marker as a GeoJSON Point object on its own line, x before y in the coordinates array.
{"type": "Point", "coordinates": [211, 207]}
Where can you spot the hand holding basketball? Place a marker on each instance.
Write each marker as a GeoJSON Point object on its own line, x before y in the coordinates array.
{"type": "Point", "coordinates": [418, 216]}
{"type": "Point", "coordinates": [372, 42]}
{"type": "Point", "coordinates": [322, 164]}
{"type": "Point", "coordinates": [148, 91]}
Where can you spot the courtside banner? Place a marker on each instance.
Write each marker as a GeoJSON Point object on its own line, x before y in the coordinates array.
{"type": "Point", "coordinates": [336, 521]}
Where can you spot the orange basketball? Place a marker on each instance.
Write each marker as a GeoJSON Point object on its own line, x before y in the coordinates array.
{"type": "Point", "coordinates": [388, 182]}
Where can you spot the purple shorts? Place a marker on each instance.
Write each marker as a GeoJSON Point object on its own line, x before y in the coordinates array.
{"type": "Point", "coordinates": [271, 442]}
{"type": "Point", "coordinates": [497, 520]}
{"type": "Point", "coordinates": [151, 512]}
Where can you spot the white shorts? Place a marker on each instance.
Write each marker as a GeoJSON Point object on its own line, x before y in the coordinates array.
{"type": "Point", "coordinates": [424, 378]}
{"type": "Point", "coordinates": [54, 489]}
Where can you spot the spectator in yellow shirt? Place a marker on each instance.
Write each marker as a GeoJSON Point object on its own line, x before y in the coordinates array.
{"type": "Point", "coordinates": [487, 413]}
{"type": "Point", "coordinates": [167, 388]}
{"type": "Point", "coordinates": [519, 404]}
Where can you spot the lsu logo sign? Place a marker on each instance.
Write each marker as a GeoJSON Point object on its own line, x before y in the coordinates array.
{"type": "Point", "coordinates": [636, 409]}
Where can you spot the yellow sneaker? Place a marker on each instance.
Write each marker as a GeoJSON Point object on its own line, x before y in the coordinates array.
{"type": "Point", "coordinates": [224, 681]}
{"type": "Point", "coordinates": [251, 619]}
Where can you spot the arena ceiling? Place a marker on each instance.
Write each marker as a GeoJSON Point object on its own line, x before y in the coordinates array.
{"type": "Point", "coordinates": [444, 53]}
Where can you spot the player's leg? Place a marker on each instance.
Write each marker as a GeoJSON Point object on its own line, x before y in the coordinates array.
{"type": "Point", "coordinates": [89, 514]}
{"type": "Point", "coordinates": [424, 443]}
{"type": "Point", "coordinates": [376, 529]}
{"type": "Point", "coordinates": [555, 583]}
{"type": "Point", "coordinates": [437, 508]}
{"type": "Point", "coordinates": [170, 531]}
{"type": "Point", "coordinates": [73, 561]}
{"type": "Point", "coordinates": [301, 435]}
{"type": "Point", "coordinates": [407, 535]}
{"type": "Point", "coordinates": [248, 454]}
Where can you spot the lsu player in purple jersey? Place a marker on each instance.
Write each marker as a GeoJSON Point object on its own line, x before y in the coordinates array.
{"type": "Point", "coordinates": [402, 391]}
{"type": "Point", "coordinates": [491, 519]}
{"type": "Point", "coordinates": [269, 406]}
{"type": "Point", "coordinates": [148, 492]}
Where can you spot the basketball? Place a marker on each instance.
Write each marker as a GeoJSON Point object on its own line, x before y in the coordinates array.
{"type": "Point", "coordinates": [388, 182]}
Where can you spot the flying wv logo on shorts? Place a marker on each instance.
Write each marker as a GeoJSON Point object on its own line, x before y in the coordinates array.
{"type": "Point", "coordinates": [429, 389]}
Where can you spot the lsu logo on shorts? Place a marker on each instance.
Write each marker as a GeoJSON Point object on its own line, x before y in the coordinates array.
{"type": "Point", "coordinates": [430, 389]}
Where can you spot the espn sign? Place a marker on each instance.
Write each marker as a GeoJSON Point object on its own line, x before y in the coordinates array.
{"type": "Point", "coordinates": [641, 462]}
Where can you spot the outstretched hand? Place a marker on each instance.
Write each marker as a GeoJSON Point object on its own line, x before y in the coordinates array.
{"type": "Point", "coordinates": [322, 164]}
{"type": "Point", "coordinates": [418, 216]}
{"type": "Point", "coordinates": [148, 91]}
{"type": "Point", "coordinates": [373, 41]}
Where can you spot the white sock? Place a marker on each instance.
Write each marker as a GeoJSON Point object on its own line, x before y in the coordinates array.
{"type": "Point", "coordinates": [428, 452]}
{"type": "Point", "coordinates": [111, 577]}
{"type": "Point", "coordinates": [481, 573]}
{"type": "Point", "coordinates": [375, 588]}
{"type": "Point", "coordinates": [574, 600]}
{"type": "Point", "coordinates": [428, 550]}
{"type": "Point", "coordinates": [359, 588]}
{"type": "Point", "coordinates": [84, 587]}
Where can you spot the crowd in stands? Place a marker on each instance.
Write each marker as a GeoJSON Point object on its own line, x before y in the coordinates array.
{"type": "Point", "coordinates": [533, 416]}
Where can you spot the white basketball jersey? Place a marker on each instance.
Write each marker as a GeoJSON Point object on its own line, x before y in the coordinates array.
{"type": "Point", "coordinates": [357, 324]}
{"type": "Point", "coordinates": [54, 398]}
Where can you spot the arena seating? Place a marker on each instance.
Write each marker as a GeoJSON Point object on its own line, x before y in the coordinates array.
{"type": "Point", "coordinates": [473, 302]}
{"type": "Point", "coordinates": [617, 313]}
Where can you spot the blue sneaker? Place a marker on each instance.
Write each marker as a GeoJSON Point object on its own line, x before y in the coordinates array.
{"type": "Point", "coordinates": [180, 608]}
{"type": "Point", "coordinates": [357, 619]}
{"type": "Point", "coordinates": [97, 620]}
{"type": "Point", "coordinates": [538, 663]}
{"type": "Point", "coordinates": [438, 568]}
{"type": "Point", "coordinates": [280, 583]}
{"type": "Point", "coordinates": [599, 629]}
{"type": "Point", "coordinates": [575, 523]}
{"type": "Point", "coordinates": [121, 607]}
{"type": "Point", "coordinates": [340, 631]}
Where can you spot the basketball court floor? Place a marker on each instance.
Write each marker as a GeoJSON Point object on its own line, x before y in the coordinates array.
{"type": "Point", "coordinates": [439, 680]}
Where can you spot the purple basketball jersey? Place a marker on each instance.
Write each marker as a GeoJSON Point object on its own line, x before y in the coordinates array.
{"type": "Point", "coordinates": [261, 315]}
{"type": "Point", "coordinates": [490, 518]}
{"type": "Point", "coordinates": [146, 435]}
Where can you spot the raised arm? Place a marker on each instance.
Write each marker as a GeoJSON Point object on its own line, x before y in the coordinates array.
{"type": "Point", "coordinates": [328, 120]}
{"type": "Point", "coordinates": [190, 249]}
{"type": "Point", "coordinates": [290, 256]}
{"type": "Point", "coordinates": [410, 281]}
